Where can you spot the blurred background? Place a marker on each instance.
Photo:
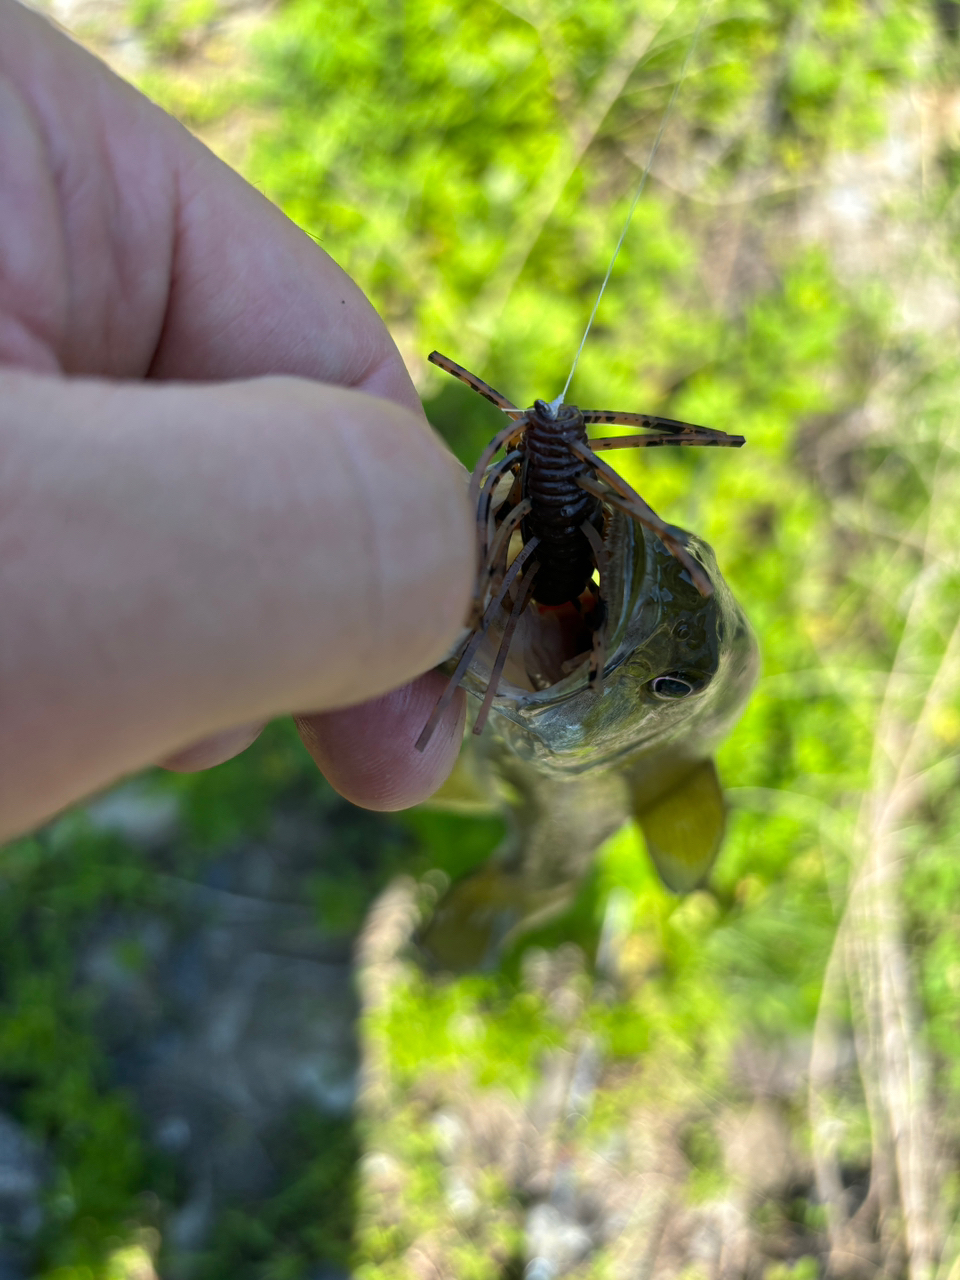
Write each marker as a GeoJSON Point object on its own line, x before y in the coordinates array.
{"type": "Point", "coordinates": [216, 1059]}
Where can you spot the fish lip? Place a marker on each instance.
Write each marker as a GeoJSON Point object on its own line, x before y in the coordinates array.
{"type": "Point", "coordinates": [563, 744]}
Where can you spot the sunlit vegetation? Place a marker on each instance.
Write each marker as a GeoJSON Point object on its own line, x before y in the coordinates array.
{"type": "Point", "coordinates": [791, 274]}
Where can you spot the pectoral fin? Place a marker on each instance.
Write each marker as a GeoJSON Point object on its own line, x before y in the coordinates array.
{"type": "Point", "coordinates": [683, 828]}
{"type": "Point", "coordinates": [468, 790]}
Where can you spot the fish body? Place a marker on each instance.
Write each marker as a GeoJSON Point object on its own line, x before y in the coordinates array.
{"type": "Point", "coordinates": [569, 766]}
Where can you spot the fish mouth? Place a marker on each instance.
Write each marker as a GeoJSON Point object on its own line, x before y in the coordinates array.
{"type": "Point", "coordinates": [657, 626]}
{"type": "Point", "coordinates": [549, 657]}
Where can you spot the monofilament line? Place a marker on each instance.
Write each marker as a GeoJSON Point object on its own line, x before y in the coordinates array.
{"type": "Point", "coordinates": [636, 200]}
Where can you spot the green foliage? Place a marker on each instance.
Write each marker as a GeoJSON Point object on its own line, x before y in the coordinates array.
{"type": "Point", "coordinates": [308, 1221]}
{"type": "Point", "coordinates": [218, 805]}
{"type": "Point", "coordinates": [53, 1073]}
{"type": "Point", "coordinates": [471, 165]}
{"type": "Point", "coordinates": [492, 1032]}
{"type": "Point", "coordinates": [169, 28]}
{"type": "Point", "coordinates": [457, 157]}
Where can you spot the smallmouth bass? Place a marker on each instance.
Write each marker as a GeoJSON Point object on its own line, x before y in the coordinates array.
{"type": "Point", "coordinates": [568, 766]}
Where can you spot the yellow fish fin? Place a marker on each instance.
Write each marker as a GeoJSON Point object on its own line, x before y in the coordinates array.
{"type": "Point", "coordinates": [683, 828]}
{"type": "Point", "coordinates": [480, 915]}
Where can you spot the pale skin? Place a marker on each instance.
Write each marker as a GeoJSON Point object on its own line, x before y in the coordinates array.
{"type": "Point", "coordinates": [219, 499]}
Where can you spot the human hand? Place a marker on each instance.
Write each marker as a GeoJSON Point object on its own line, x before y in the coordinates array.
{"type": "Point", "coordinates": [219, 498]}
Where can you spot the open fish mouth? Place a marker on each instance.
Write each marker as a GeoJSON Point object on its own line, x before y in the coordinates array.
{"type": "Point", "coordinates": [550, 651]}
{"type": "Point", "coordinates": [665, 642]}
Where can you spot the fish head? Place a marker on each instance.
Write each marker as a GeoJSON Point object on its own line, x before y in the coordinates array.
{"type": "Point", "coordinates": [679, 667]}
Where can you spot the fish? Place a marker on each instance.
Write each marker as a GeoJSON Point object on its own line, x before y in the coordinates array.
{"type": "Point", "coordinates": [568, 766]}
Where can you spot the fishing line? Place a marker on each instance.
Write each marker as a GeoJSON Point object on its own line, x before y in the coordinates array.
{"type": "Point", "coordinates": [636, 200]}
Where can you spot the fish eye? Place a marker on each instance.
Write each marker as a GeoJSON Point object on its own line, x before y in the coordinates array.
{"type": "Point", "coordinates": [673, 685]}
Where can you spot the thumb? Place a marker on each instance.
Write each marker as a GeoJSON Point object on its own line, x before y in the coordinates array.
{"type": "Point", "coordinates": [178, 559]}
